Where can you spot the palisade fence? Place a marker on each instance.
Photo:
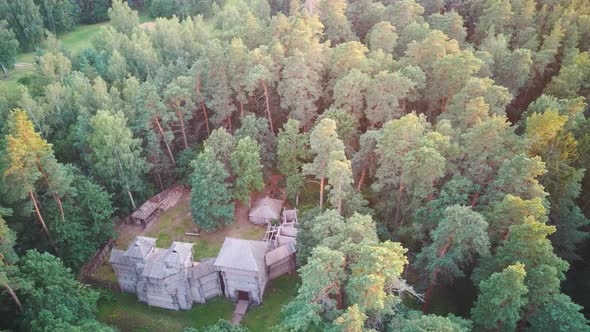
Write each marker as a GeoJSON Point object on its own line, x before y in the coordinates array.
{"type": "Point", "coordinates": [96, 261]}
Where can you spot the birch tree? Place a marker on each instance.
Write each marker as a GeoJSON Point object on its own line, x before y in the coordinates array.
{"type": "Point", "coordinates": [115, 156]}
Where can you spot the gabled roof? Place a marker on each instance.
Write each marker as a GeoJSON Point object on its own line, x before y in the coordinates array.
{"type": "Point", "coordinates": [241, 254]}
{"type": "Point", "coordinates": [140, 247]}
{"type": "Point", "coordinates": [116, 256]}
{"type": "Point", "coordinates": [267, 208]}
{"type": "Point", "coordinates": [178, 253]}
{"type": "Point", "coordinates": [203, 268]}
{"type": "Point", "coordinates": [279, 253]}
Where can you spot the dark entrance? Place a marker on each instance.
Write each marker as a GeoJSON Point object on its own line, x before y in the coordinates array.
{"type": "Point", "coordinates": [243, 296]}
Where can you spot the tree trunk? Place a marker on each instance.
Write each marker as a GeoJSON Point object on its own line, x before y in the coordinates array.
{"type": "Point", "coordinates": [267, 103]}
{"type": "Point", "coordinates": [474, 199]}
{"type": "Point", "coordinates": [428, 294]}
{"type": "Point", "coordinates": [362, 179]}
{"type": "Point", "coordinates": [181, 118]}
{"type": "Point", "coordinates": [321, 193]}
{"type": "Point", "coordinates": [42, 221]}
{"type": "Point", "coordinates": [53, 193]}
{"type": "Point", "coordinates": [13, 295]}
{"type": "Point", "coordinates": [4, 70]}
{"type": "Point", "coordinates": [206, 117]}
{"type": "Point", "coordinates": [241, 109]}
{"type": "Point", "coordinates": [165, 142]}
{"type": "Point", "coordinates": [132, 201]}
{"type": "Point", "coordinates": [229, 123]}
{"type": "Point", "coordinates": [399, 203]}
{"type": "Point", "coordinates": [159, 178]}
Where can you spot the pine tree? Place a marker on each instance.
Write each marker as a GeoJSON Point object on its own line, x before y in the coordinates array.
{"type": "Point", "coordinates": [501, 300]}
{"type": "Point", "coordinates": [323, 141]}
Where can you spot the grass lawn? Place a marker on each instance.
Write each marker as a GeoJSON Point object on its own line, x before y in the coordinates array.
{"type": "Point", "coordinates": [128, 314]}
{"type": "Point", "coordinates": [279, 292]}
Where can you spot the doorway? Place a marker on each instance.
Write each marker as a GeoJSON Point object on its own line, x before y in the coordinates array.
{"type": "Point", "coordinates": [242, 295]}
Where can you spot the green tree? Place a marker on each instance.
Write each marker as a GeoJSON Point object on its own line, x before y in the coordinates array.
{"type": "Point", "coordinates": [89, 222]}
{"type": "Point", "coordinates": [222, 144]}
{"type": "Point", "coordinates": [340, 178]}
{"type": "Point", "coordinates": [32, 166]}
{"type": "Point", "coordinates": [386, 95]}
{"type": "Point", "coordinates": [59, 15]}
{"type": "Point", "coordinates": [382, 37]}
{"type": "Point", "coordinates": [417, 322]}
{"type": "Point", "coordinates": [8, 258]}
{"type": "Point", "coordinates": [123, 19]}
{"type": "Point", "coordinates": [8, 47]}
{"type": "Point", "coordinates": [246, 167]}
{"type": "Point", "coordinates": [257, 129]}
{"type": "Point", "coordinates": [349, 93]}
{"type": "Point", "coordinates": [115, 156]}
{"type": "Point", "coordinates": [332, 16]}
{"type": "Point", "coordinates": [501, 300]}
{"type": "Point", "coordinates": [53, 299]}
{"type": "Point", "coordinates": [24, 19]}
{"type": "Point", "coordinates": [559, 314]}
{"type": "Point", "coordinates": [291, 154]}
{"type": "Point", "coordinates": [300, 89]}
{"type": "Point", "coordinates": [323, 141]}
{"type": "Point", "coordinates": [211, 200]}
{"type": "Point", "coordinates": [451, 23]}
{"type": "Point", "coordinates": [459, 238]}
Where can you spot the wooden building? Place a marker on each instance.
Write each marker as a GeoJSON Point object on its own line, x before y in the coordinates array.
{"type": "Point", "coordinates": [165, 277]}
{"type": "Point", "coordinates": [265, 210]}
{"type": "Point", "coordinates": [157, 204]}
{"type": "Point", "coordinates": [280, 260]}
{"type": "Point", "coordinates": [243, 269]}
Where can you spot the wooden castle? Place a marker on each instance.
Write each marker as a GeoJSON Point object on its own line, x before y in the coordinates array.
{"type": "Point", "coordinates": [169, 278]}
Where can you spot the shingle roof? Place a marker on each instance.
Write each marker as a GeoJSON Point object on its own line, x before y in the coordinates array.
{"type": "Point", "coordinates": [202, 268]}
{"type": "Point", "coordinates": [242, 254]}
{"type": "Point", "coordinates": [279, 253]}
{"type": "Point", "coordinates": [116, 256]}
{"type": "Point", "coordinates": [140, 247]}
{"type": "Point", "coordinates": [267, 208]}
{"type": "Point", "coordinates": [178, 253]}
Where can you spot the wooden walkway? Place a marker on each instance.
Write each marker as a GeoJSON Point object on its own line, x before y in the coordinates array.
{"type": "Point", "coordinates": [241, 308]}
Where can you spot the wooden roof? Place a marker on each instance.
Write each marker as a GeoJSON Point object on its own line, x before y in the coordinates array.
{"type": "Point", "coordinates": [267, 208]}
{"type": "Point", "coordinates": [280, 253]}
{"type": "Point", "coordinates": [117, 256]}
{"type": "Point", "coordinates": [241, 254]}
{"type": "Point", "coordinates": [140, 247]}
{"type": "Point", "coordinates": [203, 268]}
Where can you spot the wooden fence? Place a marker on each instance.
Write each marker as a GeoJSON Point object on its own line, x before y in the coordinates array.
{"type": "Point", "coordinates": [96, 260]}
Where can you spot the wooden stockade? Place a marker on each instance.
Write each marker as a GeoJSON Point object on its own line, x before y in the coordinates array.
{"type": "Point", "coordinates": [96, 260]}
{"type": "Point", "coordinates": [157, 204]}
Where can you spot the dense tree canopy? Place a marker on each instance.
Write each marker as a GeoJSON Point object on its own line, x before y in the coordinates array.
{"type": "Point", "coordinates": [447, 141]}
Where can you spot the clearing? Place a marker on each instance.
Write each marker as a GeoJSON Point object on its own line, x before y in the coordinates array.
{"type": "Point", "coordinates": [126, 313]}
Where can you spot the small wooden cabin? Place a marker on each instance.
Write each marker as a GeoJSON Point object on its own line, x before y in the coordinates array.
{"type": "Point", "coordinates": [157, 204]}
{"type": "Point", "coordinates": [265, 210]}
{"type": "Point", "coordinates": [243, 269]}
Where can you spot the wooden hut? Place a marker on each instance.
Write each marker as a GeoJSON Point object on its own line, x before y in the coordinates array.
{"type": "Point", "coordinates": [280, 260]}
{"type": "Point", "coordinates": [265, 210]}
{"type": "Point", "coordinates": [243, 269]}
{"type": "Point", "coordinates": [157, 204]}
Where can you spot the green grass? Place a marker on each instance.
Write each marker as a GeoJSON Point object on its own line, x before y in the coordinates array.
{"type": "Point", "coordinates": [280, 292]}
{"type": "Point", "coordinates": [128, 314]}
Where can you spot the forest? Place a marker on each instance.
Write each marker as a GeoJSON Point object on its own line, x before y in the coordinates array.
{"type": "Point", "coordinates": [436, 151]}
